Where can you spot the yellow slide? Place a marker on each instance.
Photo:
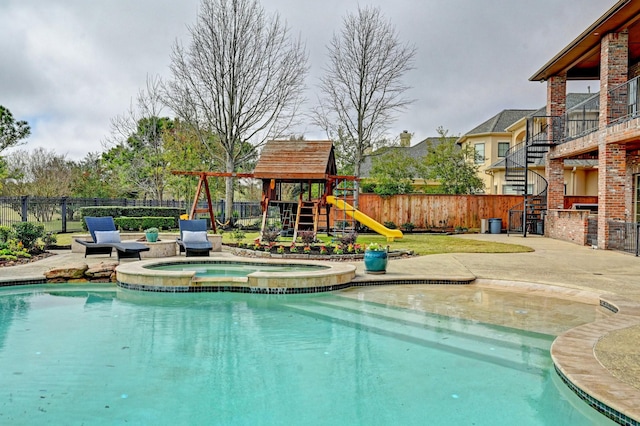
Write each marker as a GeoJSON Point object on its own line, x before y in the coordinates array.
{"type": "Point", "coordinates": [364, 219]}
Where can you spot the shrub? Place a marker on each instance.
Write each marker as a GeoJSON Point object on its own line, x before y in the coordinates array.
{"type": "Point", "coordinates": [307, 237]}
{"type": "Point", "coordinates": [376, 247]}
{"type": "Point", "coordinates": [390, 225]}
{"type": "Point", "coordinates": [367, 186]}
{"type": "Point", "coordinates": [238, 235]}
{"type": "Point", "coordinates": [408, 226]}
{"type": "Point", "coordinates": [28, 234]}
{"type": "Point", "coordinates": [140, 223]}
{"type": "Point", "coordinates": [348, 238]}
{"type": "Point", "coordinates": [49, 239]}
{"type": "Point", "coordinates": [271, 235]}
{"type": "Point", "coordinates": [5, 234]}
{"type": "Point", "coordinates": [119, 211]}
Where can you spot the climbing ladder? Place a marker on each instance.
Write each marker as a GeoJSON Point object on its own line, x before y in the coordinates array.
{"type": "Point", "coordinates": [307, 217]}
{"type": "Point", "coordinates": [342, 221]}
{"type": "Point", "coordinates": [287, 217]}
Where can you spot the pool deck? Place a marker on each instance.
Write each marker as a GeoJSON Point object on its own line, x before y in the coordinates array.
{"type": "Point", "coordinates": [602, 357]}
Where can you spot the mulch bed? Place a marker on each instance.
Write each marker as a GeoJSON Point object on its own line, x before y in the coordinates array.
{"type": "Point", "coordinates": [25, 260]}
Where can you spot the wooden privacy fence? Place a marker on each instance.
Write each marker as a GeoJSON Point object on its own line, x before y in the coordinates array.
{"type": "Point", "coordinates": [427, 211]}
{"type": "Point", "coordinates": [570, 200]}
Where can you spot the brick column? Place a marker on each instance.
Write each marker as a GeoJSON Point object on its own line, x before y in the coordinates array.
{"type": "Point", "coordinates": [554, 173]}
{"type": "Point", "coordinates": [614, 63]}
{"type": "Point", "coordinates": [612, 166]}
{"type": "Point", "coordinates": [554, 169]}
{"type": "Point", "coordinates": [557, 95]}
{"type": "Point", "coordinates": [614, 69]}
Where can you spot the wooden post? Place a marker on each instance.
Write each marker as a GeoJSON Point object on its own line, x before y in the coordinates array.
{"type": "Point", "coordinates": [194, 208]}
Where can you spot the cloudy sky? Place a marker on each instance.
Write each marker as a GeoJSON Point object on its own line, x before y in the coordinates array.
{"type": "Point", "coordinates": [69, 66]}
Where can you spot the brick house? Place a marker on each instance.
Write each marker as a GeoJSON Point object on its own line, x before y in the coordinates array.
{"type": "Point", "coordinates": [604, 128]}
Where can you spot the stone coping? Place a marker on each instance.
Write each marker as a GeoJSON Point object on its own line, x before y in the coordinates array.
{"type": "Point", "coordinates": [575, 359]}
{"type": "Point", "coordinates": [574, 351]}
{"type": "Point", "coordinates": [331, 274]}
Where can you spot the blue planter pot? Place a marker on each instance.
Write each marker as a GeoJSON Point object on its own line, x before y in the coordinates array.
{"type": "Point", "coordinates": [375, 262]}
{"type": "Point", "coordinates": [152, 237]}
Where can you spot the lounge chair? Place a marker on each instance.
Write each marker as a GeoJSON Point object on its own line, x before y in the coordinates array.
{"type": "Point", "coordinates": [105, 237]}
{"type": "Point", "coordinates": [193, 239]}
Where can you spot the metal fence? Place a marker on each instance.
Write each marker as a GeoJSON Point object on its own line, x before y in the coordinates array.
{"type": "Point", "coordinates": [623, 236]}
{"type": "Point", "coordinates": [624, 101]}
{"type": "Point", "coordinates": [61, 214]}
{"type": "Point", "coordinates": [592, 232]}
{"type": "Point", "coordinates": [582, 119]}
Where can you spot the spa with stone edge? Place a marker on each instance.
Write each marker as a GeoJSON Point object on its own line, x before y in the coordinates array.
{"type": "Point", "coordinates": [237, 275]}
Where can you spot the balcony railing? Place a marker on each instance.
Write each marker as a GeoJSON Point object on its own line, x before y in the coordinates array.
{"type": "Point", "coordinates": [581, 119]}
{"type": "Point", "coordinates": [623, 102]}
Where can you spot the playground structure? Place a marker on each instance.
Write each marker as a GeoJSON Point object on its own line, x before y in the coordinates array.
{"type": "Point", "coordinates": [300, 186]}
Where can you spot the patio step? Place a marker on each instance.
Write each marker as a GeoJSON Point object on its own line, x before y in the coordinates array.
{"type": "Point", "coordinates": [493, 344]}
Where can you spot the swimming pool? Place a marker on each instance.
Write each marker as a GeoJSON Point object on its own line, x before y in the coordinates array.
{"type": "Point", "coordinates": [99, 355]}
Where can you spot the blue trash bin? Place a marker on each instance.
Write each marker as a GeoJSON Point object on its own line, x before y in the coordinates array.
{"type": "Point", "coordinates": [495, 225]}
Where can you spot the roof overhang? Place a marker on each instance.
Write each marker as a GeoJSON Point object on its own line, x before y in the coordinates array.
{"type": "Point", "coordinates": [580, 60]}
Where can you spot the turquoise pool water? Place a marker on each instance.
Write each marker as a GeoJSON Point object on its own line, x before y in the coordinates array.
{"type": "Point", "coordinates": [95, 355]}
{"type": "Point", "coordinates": [232, 269]}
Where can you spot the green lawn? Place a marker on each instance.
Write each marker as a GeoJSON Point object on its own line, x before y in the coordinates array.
{"type": "Point", "coordinates": [418, 243]}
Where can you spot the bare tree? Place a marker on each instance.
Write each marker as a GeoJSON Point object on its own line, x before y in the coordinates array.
{"type": "Point", "coordinates": [135, 146]}
{"type": "Point", "coordinates": [362, 85]}
{"type": "Point", "coordinates": [240, 80]}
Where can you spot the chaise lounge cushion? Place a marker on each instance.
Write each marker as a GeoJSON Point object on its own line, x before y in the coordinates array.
{"type": "Point", "coordinates": [106, 237]}
{"type": "Point", "coordinates": [194, 236]}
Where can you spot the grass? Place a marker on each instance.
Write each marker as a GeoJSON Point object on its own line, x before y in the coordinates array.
{"type": "Point", "coordinates": [421, 244]}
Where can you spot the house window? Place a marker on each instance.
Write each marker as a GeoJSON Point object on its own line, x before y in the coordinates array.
{"type": "Point", "coordinates": [479, 148]}
{"type": "Point", "coordinates": [503, 147]}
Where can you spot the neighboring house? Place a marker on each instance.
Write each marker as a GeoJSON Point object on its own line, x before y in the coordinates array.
{"type": "Point", "coordinates": [604, 128]}
{"type": "Point", "coordinates": [491, 141]}
{"type": "Point", "coordinates": [581, 176]}
{"type": "Point", "coordinates": [418, 150]}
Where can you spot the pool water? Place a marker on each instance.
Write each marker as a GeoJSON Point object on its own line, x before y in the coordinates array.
{"type": "Point", "coordinates": [230, 269]}
{"type": "Point", "coordinates": [98, 355]}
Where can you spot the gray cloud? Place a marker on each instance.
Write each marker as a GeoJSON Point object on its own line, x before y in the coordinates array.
{"type": "Point", "coordinates": [69, 66]}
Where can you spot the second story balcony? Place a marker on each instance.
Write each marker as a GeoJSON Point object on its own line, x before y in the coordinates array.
{"type": "Point", "coordinates": [581, 119]}
{"type": "Point", "coordinates": [584, 118]}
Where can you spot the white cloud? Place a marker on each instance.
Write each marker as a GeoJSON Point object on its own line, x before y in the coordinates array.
{"type": "Point", "coordinates": [69, 66]}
